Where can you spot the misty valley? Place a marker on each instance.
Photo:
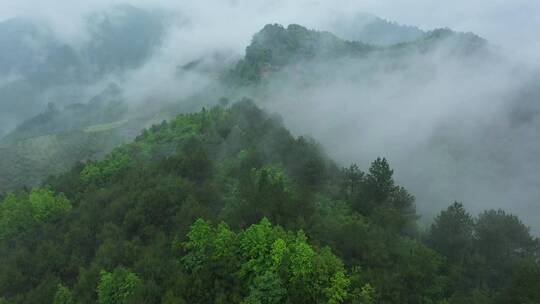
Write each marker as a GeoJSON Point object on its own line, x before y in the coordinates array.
{"type": "Point", "coordinates": [239, 153]}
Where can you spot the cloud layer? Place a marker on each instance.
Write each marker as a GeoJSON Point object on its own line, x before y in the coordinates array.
{"type": "Point", "coordinates": [448, 127]}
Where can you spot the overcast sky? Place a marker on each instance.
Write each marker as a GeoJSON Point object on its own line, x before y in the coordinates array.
{"type": "Point", "coordinates": [505, 23]}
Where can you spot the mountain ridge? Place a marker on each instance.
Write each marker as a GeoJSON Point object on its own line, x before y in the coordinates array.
{"type": "Point", "coordinates": [225, 204]}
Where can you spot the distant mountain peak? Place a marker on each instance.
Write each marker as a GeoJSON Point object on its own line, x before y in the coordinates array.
{"type": "Point", "coordinates": [276, 46]}
{"type": "Point", "coordinates": [374, 30]}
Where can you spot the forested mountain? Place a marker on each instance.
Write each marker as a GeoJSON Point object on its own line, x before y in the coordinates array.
{"type": "Point", "coordinates": [57, 138]}
{"type": "Point", "coordinates": [421, 104]}
{"type": "Point", "coordinates": [374, 30]}
{"type": "Point", "coordinates": [108, 200]}
{"type": "Point", "coordinates": [276, 47]}
{"type": "Point", "coordinates": [38, 68]}
{"type": "Point", "coordinates": [53, 141]}
{"type": "Point", "coordinates": [226, 206]}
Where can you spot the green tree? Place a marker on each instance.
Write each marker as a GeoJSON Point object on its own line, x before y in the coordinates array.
{"type": "Point", "coordinates": [422, 274]}
{"type": "Point", "coordinates": [46, 206]}
{"type": "Point", "coordinates": [364, 295]}
{"type": "Point", "coordinates": [23, 211]}
{"type": "Point", "coordinates": [63, 295]}
{"type": "Point", "coordinates": [266, 289]}
{"type": "Point", "coordinates": [452, 233]}
{"type": "Point", "coordinates": [352, 181]}
{"type": "Point", "coordinates": [379, 180]}
{"type": "Point", "coordinates": [524, 284]}
{"type": "Point", "coordinates": [503, 241]}
{"type": "Point", "coordinates": [274, 266]}
{"type": "Point", "coordinates": [338, 290]}
{"type": "Point", "coordinates": [15, 215]}
{"type": "Point", "coordinates": [119, 287]}
{"type": "Point", "coordinates": [99, 173]}
{"type": "Point", "coordinates": [302, 258]}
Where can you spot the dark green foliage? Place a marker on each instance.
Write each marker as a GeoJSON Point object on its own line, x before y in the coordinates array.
{"type": "Point", "coordinates": [503, 240]}
{"type": "Point", "coordinates": [63, 295]}
{"type": "Point", "coordinates": [524, 284]}
{"type": "Point", "coordinates": [119, 287]}
{"type": "Point", "coordinates": [275, 46]}
{"type": "Point", "coordinates": [26, 211]}
{"type": "Point", "coordinates": [486, 255]}
{"type": "Point", "coordinates": [452, 233]}
{"type": "Point", "coordinates": [140, 226]}
{"type": "Point", "coordinates": [375, 195]}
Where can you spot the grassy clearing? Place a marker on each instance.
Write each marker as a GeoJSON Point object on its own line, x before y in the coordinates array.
{"type": "Point", "coordinates": [105, 127]}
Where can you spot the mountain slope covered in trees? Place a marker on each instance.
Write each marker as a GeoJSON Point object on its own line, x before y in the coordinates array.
{"type": "Point", "coordinates": [276, 47]}
{"type": "Point", "coordinates": [226, 206]}
{"type": "Point", "coordinates": [374, 30]}
{"type": "Point", "coordinates": [38, 67]}
{"type": "Point", "coordinates": [90, 130]}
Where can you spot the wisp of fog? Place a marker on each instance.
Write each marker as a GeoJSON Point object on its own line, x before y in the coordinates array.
{"type": "Point", "coordinates": [454, 130]}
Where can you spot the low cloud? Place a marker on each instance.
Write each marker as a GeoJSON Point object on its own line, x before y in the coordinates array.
{"type": "Point", "coordinates": [453, 130]}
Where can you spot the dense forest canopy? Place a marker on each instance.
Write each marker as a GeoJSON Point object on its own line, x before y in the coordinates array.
{"type": "Point", "coordinates": [226, 206]}
{"type": "Point", "coordinates": [132, 174]}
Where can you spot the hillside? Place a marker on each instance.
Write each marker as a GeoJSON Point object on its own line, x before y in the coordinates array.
{"type": "Point", "coordinates": [53, 141]}
{"type": "Point", "coordinates": [374, 30]}
{"type": "Point", "coordinates": [38, 67]}
{"type": "Point", "coordinates": [276, 47]}
{"type": "Point", "coordinates": [226, 206]}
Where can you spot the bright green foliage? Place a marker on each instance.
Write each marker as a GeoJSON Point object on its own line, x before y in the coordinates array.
{"type": "Point", "coordinates": [91, 173]}
{"type": "Point", "coordinates": [240, 167]}
{"type": "Point", "coordinates": [256, 248]}
{"type": "Point", "coordinates": [278, 252]}
{"type": "Point", "coordinates": [337, 292]}
{"type": "Point", "coordinates": [63, 295]}
{"type": "Point", "coordinates": [102, 172]}
{"type": "Point", "coordinates": [46, 206]}
{"type": "Point", "coordinates": [274, 265]}
{"type": "Point", "coordinates": [301, 258]}
{"type": "Point", "coordinates": [199, 243]}
{"type": "Point", "coordinates": [118, 287]}
{"type": "Point", "coordinates": [21, 212]}
{"type": "Point", "coordinates": [207, 244]}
